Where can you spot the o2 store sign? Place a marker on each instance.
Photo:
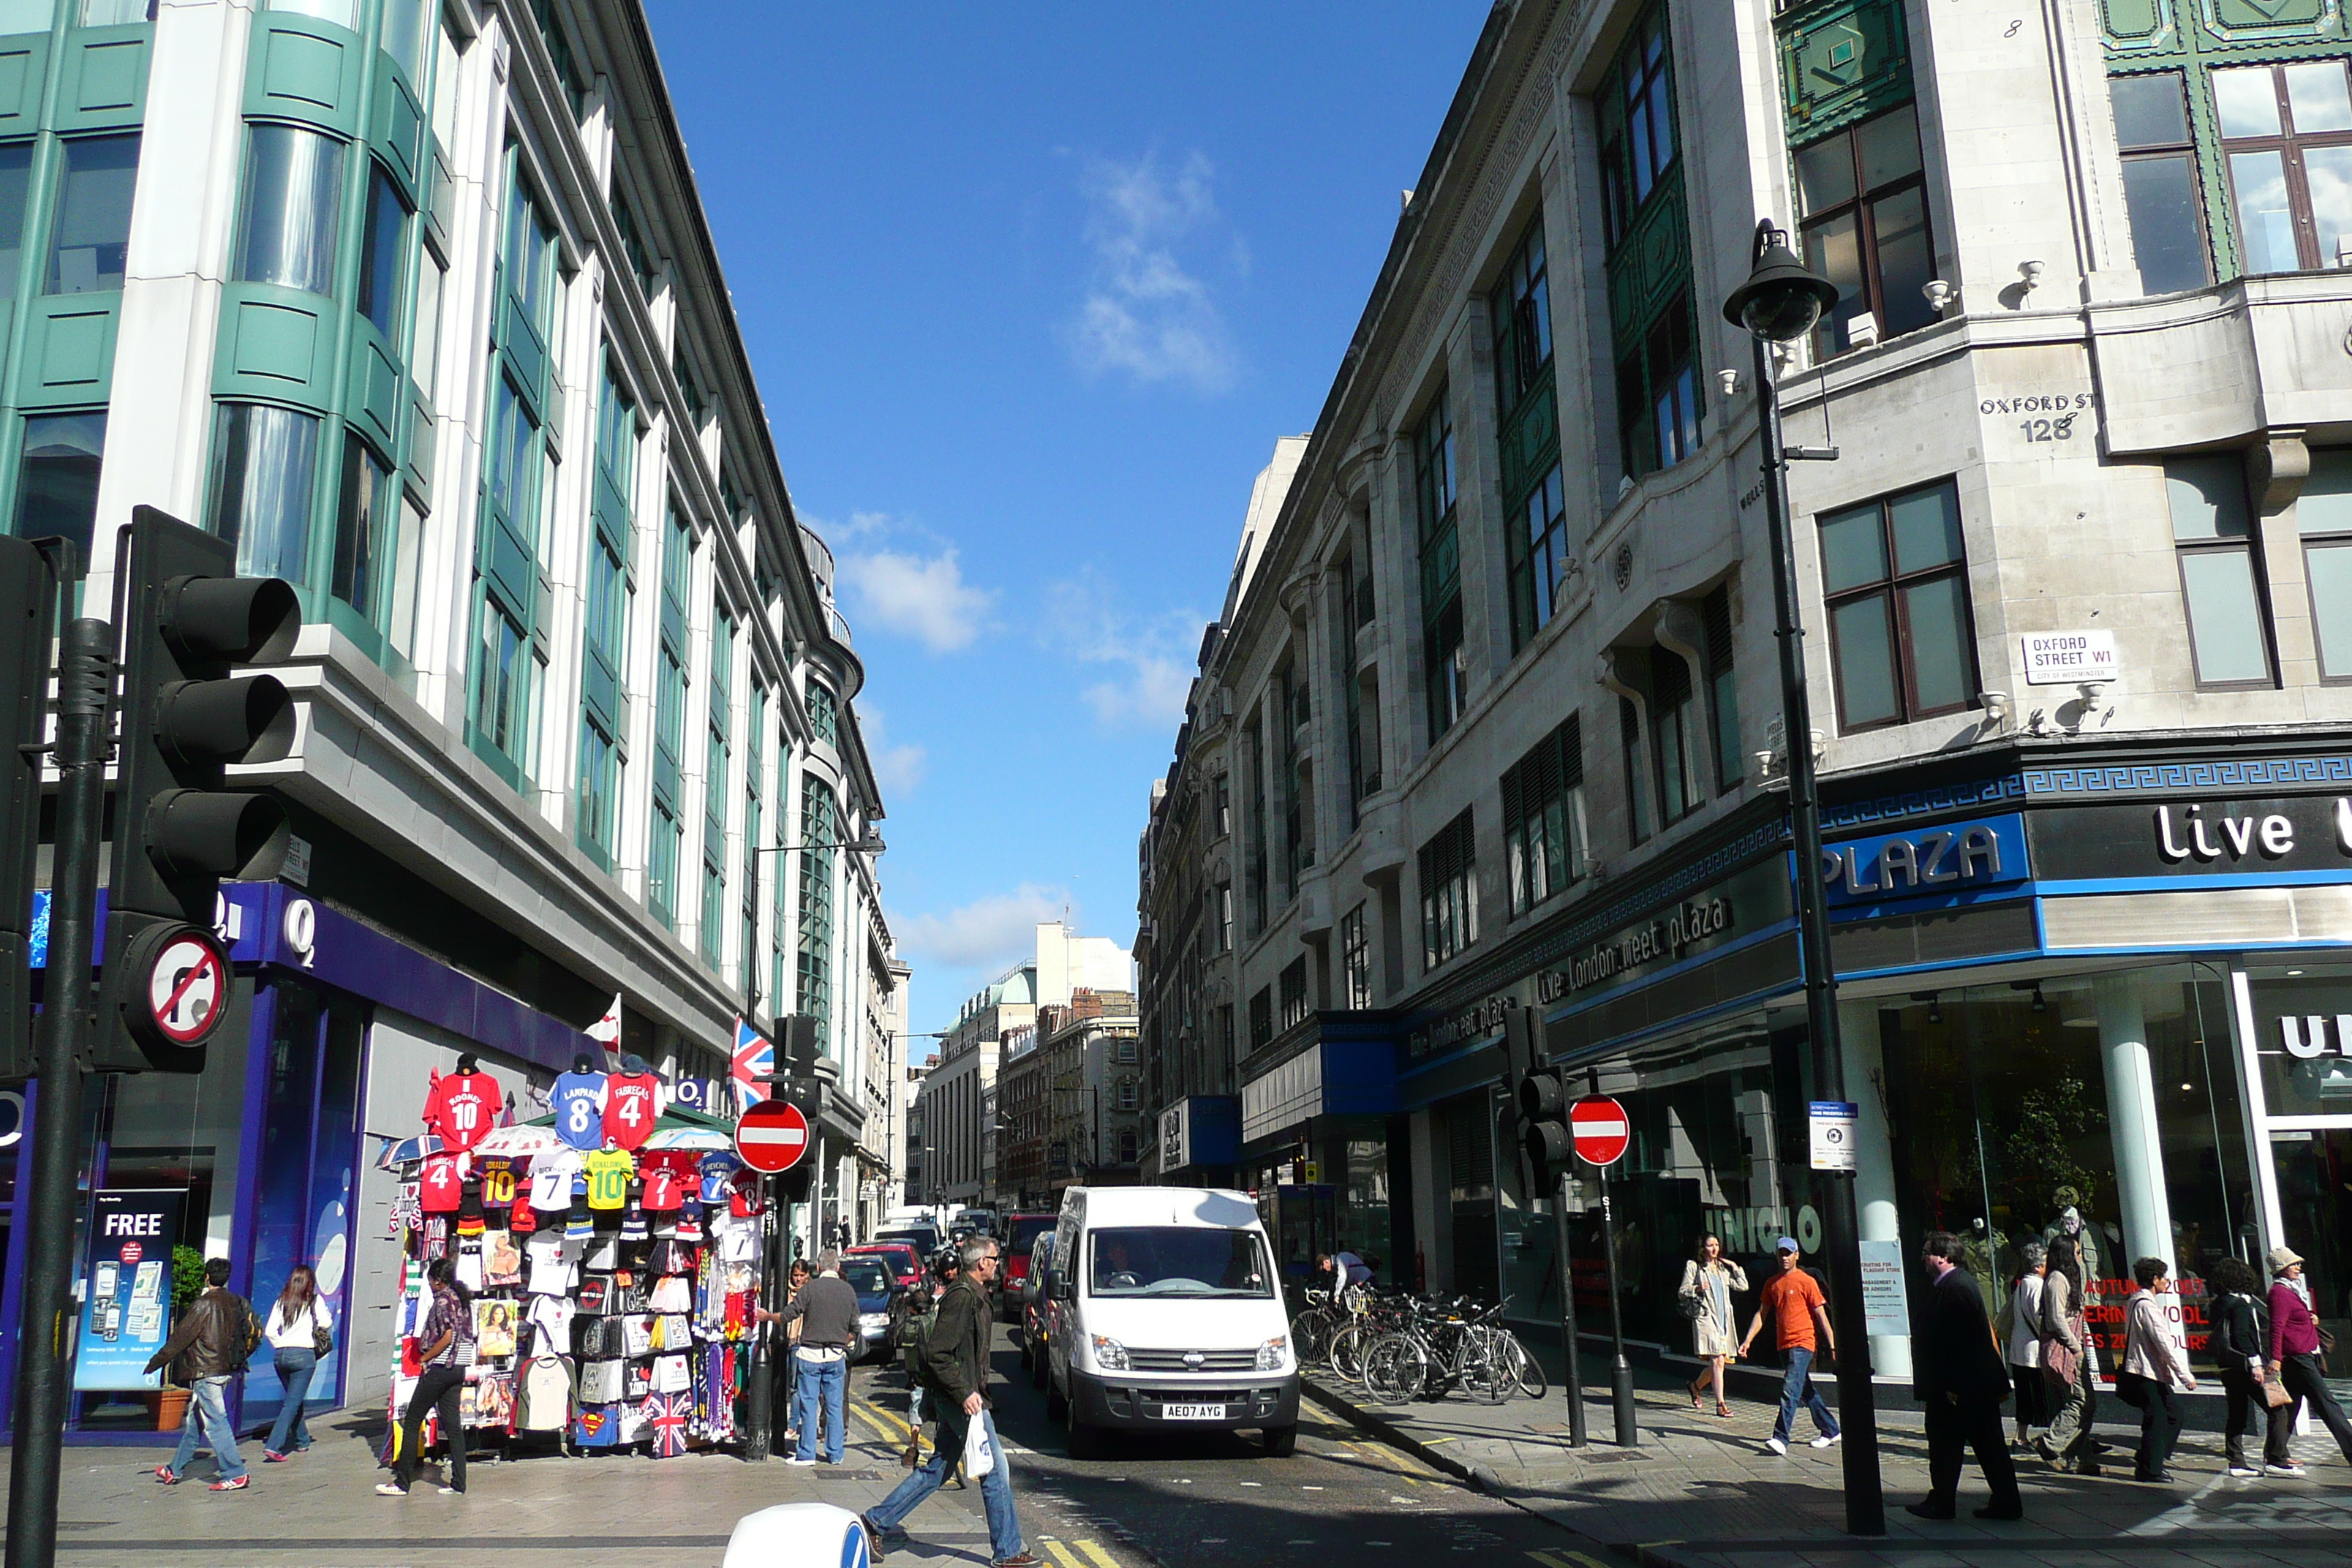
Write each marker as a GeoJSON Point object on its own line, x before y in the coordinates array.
{"type": "Point", "coordinates": [1957, 858]}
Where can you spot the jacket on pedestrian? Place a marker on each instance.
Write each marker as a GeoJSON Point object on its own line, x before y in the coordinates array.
{"type": "Point", "coordinates": [215, 1335]}
{"type": "Point", "coordinates": [2294, 1331]}
{"type": "Point", "coordinates": [957, 1358]}
{"type": "Point", "coordinates": [826, 1310]}
{"type": "Point", "coordinates": [1952, 1350]}
{"type": "Point", "coordinates": [2154, 1346]}
{"type": "Point", "coordinates": [2241, 1331]}
{"type": "Point", "coordinates": [2025, 1346]}
{"type": "Point", "coordinates": [2062, 1316]}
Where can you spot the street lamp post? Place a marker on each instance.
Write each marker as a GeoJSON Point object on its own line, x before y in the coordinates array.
{"type": "Point", "coordinates": [1778, 303]}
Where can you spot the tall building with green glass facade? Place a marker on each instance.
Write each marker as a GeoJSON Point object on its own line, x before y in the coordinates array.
{"type": "Point", "coordinates": [417, 301]}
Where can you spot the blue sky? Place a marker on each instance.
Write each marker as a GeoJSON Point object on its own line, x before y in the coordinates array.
{"type": "Point", "coordinates": [1031, 291]}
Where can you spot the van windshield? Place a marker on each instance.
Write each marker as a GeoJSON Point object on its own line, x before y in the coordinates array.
{"type": "Point", "coordinates": [1179, 1260]}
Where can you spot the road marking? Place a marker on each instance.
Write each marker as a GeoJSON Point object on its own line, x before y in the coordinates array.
{"type": "Point", "coordinates": [1063, 1555]}
{"type": "Point", "coordinates": [1102, 1559]}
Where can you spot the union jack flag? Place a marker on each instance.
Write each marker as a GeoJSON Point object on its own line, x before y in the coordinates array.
{"type": "Point", "coordinates": [754, 1063]}
{"type": "Point", "coordinates": [667, 1415]}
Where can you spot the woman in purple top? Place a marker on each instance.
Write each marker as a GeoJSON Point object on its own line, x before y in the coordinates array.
{"type": "Point", "coordinates": [2295, 1351]}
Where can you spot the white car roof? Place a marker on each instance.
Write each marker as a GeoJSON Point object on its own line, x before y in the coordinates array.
{"type": "Point", "coordinates": [1209, 1208]}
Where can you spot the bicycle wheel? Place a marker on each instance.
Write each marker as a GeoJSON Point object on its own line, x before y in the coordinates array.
{"type": "Point", "coordinates": [1396, 1369]}
{"type": "Point", "coordinates": [1348, 1348]}
{"type": "Point", "coordinates": [1311, 1337]}
{"type": "Point", "coordinates": [1482, 1368]}
{"type": "Point", "coordinates": [1526, 1370]}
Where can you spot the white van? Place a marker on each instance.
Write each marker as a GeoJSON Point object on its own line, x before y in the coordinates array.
{"type": "Point", "coordinates": [1167, 1313]}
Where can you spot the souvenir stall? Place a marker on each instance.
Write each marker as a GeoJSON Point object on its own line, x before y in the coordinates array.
{"type": "Point", "coordinates": [612, 1253]}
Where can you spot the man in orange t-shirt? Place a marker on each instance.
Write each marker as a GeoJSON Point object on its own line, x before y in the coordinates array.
{"type": "Point", "coordinates": [1795, 1304]}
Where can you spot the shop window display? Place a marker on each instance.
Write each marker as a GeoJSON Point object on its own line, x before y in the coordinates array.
{"type": "Point", "coordinates": [2302, 1025]}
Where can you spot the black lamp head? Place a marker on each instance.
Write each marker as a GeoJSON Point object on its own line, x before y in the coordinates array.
{"type": "Point", "coordinates": [1780, 301]}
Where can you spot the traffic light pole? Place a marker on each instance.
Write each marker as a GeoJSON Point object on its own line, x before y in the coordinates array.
{"type": "Point", "coordinates": [759, 1402]}
{"type": "Point", "coordinates": [1621, 1371]}
{"type": "Point", "coordinates": [1573, 1374]}
{"type": "Point", "coordinates": [85, 691]}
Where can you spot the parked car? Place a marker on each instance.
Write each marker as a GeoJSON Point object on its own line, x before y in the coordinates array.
{"type": "Point", "coordinates": [1034, 1299]}
{"type": "Point", "coordinates": [1166, 1310]}
{"type": "Point", "coordinates": [925, 1239]}
{"type": "Point", "coordinates": [905, 1263]}
{"type": "Point", "coordinates": [1024, 1229]}
{"type": "Point", "coordinates": [881, 1300]}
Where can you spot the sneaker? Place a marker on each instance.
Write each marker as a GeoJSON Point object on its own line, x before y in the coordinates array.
{"type": "Point", "coordinates": [452, 1491]}
{"type": "Point", "coordinates": [2244, 1472]}
{"type": "Point", "coordinates": [801, 1463]}
{"type": "Point", "coordinates": [1776, 1445]}
{"type": "Point", "coordinates": [271, 1457]}
{"type": "Point", "coordinates": [1019, 1560]}
{"type": "Point", "coordinates": [390, 1488]}
{"type": "Point", "coordinates": [873, 1533]}
{"type": "Point", "coordinates": [167, 1476]}
{"type": "Point", "coordinates": [232, 1484]}
{"type": "Point", "coordinates": [1826, 1439]}
{"type": "Point", "coordinates": [2290, 1468]}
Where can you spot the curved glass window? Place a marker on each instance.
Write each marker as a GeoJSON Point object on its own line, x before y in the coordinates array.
{"type": "Point", "coordinates": [93, 226]}
{"type": "Point", "coordinates": [293, 190]}
{"type": "Point", "coordinates": [26, 15]}
{"type": "Point", "coordinates": [16, 180]}
{"type": "Point", "coordinates": [379, 251]}
{"type": "Point", "coordinates": [363, 518]}
{"type": "Point", "coordinates": [56, 483]}
{"type": "Point", "coordinates": [402, 36]}
{"type": "Point", "coordinates": [116, 12]}
{"type": "Point", "coordinates": [341, 12]}
{"type": "Point", "coordinates": [264, 462]}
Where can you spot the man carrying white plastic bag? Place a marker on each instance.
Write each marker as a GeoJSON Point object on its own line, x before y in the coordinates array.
{"type": "Point", "coordinates": [955, 1370]}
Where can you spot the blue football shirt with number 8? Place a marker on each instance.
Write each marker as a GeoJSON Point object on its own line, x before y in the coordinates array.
{"type": "Point", "coordinates": [579, 1099]}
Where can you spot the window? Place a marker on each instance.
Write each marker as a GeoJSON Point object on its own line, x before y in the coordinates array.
{"type": "Point", "coordinates": [1294, 991]}
{"type": "Point", "coordinates": [2228, 629]}
{"type": "Point", "coordinates": [1254, 857]}
{"type": "Point", "coordinates": [715, 791]}
{"type": "Point", "coordinates": [2324, 517]}
{"type": "Point", "coordinates": [1674, 734]}
{"type": "Point", "coordinates": [16, 186]}
{"type": "Point", "coordinates": [57, 484]}
{"type": "Point", "coordinates": [1224, 799]}
{"type": "Point", "coordinates": [1543, 816]}
{"type": "Point", "coordinates": [599, 792]}
{"type": "Point", "coordinates": [293, 200]}
{"type": "Point", "coordinates": [1895, 575]}
{"type": "Point", "coordinates": [1356, 960]}
{"type": "Point", "coordinates": [819, 825]}
{"type": "Point", "coordinates": [1528, 434]}
{"type": "Point", "coordinates": [1224, 917]}
{"type": "Point", "coordinates": [116, 12]}
{"type": "Point", "coordinates": [425, 331]}
{"type": "Point", "coordinates": [2287, 131]}
{"type": "Point", "coordinates": [568, 70]}
{"type": "Point", "coordinates": [697, 409]}
{"type": "Point", "coordinates": [1647, 255]}
{"type": "Point", "coordinates": [94, 178]}
{"type": "Point", "coordinates": [528, 257]}
{"type": "Point", "coordinates": [502, 680]}
{"type": "Point", "coordinates": [364, 516]}
{"type": "Point", "coordinates": [1539, 565]}
{"type": "Point", "coordinates": [381, 253]}
{"type": "Point", "coordinates": [1861, 202]}
{"type": "Point", "coordinates": [669, 716]}
{"type": "Point", "coordinates": [633, 241]}
{"type": "Point", "coordinates": [755, 773]}
{"type": "Point", "coordinates": [1443, 664]}
{"type": "Point", "coordinates": [1261, 1018]}
{"type": "Point", "coordinates": [402, 31]}
{"type": "Point", "coordinates": [1449, 892]}
{"type": "Point", "coordinates": [823, 723]}
{"type": "Point", "coordinates": [2167, 215]}
{"type": "Point", "coordinates": [264, 467]}
{"type": "Point", "coordinates": [1722, 689]}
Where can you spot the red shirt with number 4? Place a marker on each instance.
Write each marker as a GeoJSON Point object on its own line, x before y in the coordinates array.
{"type": "Point", "coordinates": [442, 1185]}
{"type": "Point", "coordinates": [463, 1108]}
{"type": "Point", "coordinates": [632, 1102]}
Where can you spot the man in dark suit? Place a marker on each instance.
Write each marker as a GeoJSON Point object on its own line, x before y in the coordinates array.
{"type": "Point", "coordinates": [1958, 1374]}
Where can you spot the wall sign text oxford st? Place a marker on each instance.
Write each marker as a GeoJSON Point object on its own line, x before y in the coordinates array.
{"type": "Point", "coordinates": [2059, 415]}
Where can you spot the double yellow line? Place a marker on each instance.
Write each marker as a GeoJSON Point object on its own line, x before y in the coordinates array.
{"type": "Point", "coordinates": [1565, 1559]}
{"type": "Point", "coordinates": [1096, 1557]}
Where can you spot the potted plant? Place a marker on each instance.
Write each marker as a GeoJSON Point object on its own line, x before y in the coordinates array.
{"type": "Point", "coordinates": [169, 1403]}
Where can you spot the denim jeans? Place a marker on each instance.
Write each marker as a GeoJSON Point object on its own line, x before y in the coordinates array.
{"type": "Point", "coordinates": [1796, 1389]}
{"type": "Point", "coordinates": [995, 1487]}
{"type": "Point", "coordinates": [294, 1367]}
{"type": "Point", "coordinates": [819, 1387]}
{"type": "Point", "coordinates": [208, 1409]}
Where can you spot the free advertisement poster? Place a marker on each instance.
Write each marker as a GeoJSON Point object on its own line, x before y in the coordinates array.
{"type": "Point", "coordinates": [126, 1294]}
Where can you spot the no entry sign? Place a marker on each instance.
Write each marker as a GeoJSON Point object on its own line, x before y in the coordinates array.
{"type": "Point", "coordinates": [771, 1136]}
{"type": "Point", "coordinates": [1598, 1124]}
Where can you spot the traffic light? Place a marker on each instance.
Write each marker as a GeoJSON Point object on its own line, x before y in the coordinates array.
{"type": "Point", "coordinates": [801, 1050]}
{"type": "Point", "coordinates": [189, 619]}
{"type": "Point", "coordinates": [28, 593]}
{"type": "Point", "coordinates": [1543, 1100]}
{"type": "Point", "coordinates": [1519, 1029]}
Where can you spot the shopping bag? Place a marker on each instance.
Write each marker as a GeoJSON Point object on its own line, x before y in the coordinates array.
{"type": "Point", "coordinates": [979, 1453]}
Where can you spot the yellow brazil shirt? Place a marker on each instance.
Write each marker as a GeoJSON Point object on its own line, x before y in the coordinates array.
{"type": "Point", "coordinates": [608, 1178]}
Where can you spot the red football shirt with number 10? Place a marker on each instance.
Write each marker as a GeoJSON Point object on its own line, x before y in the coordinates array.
{"type": "Point", "coordinates": [463, 1108]}
{"type": "Point", "coordinates": [631, 1104]}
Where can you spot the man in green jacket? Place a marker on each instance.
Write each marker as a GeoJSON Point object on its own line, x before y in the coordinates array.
{"type": "Point", "coordinates": [955, 1368]}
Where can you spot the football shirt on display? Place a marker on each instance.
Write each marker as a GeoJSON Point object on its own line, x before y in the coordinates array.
{"type": "Point", "coordinates": [578, 1101]}
{"type": "Point", "coordinates": [632, 1105]}
{"type": "Point", "coordinates": [551, 1177]}
{"type": "Point", "coordinates": [463, 1108]}
{"type": "Point", "coordinates": [442, 1187]}
{"type": "Point", "coordinates": [609, 1170]}
{"type": "Point", "coordinates": [717, 1169]}
{"type": "Point", "coordinates": [663, 1187]}
{"type": "Point", "coordinates": [498, 1184]}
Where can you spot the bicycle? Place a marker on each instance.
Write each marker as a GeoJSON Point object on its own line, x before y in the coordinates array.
{"type": "Point", "coordinates": [1441, 1345]}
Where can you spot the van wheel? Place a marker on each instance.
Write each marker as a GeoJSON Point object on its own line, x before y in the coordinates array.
{"type": "Point", "coordinates": [1057, 1408]}
{"type": "Point", "coordinates": [1026, 1355]}
{"type": "Point", "coordinates": [1281, 1442]}
{"type": "Point", "coordinates": [1085, 1441]}
{"type": "Point", "coordinates": [1041, 1375]}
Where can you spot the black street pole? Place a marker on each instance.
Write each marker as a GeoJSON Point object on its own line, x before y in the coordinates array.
{"type": "Point", "coordinates": [1620, 1371]}
{"type": "Point", "coordinates": [759, 1404]}
{"type": "Point", "coordinates": [1573, 1376]}
{"type": "Point", "coordinates": [85, 693]}
{"type": "Point", "coordinates": [1866, 1501]}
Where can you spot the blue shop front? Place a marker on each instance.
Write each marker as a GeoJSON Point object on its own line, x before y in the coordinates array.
{"type": "Point", "coordinates": [267, 1157]}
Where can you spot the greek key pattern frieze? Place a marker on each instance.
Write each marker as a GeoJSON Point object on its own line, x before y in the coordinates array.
{"type": "Point", "coordinates": [1960, 796]}
{"type": "Point", "coordinates": [2172, 777]}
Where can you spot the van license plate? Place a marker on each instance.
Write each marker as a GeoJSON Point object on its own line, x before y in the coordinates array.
{"type": "Point", "coordinates": [1191, 1413]}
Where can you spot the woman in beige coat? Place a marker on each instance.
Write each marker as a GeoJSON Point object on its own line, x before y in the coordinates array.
{"type": "Point", "coordinates": [1708, 1280]}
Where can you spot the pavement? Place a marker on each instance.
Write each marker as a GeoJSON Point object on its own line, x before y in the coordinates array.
{"type": "Point", "coordinates": [1702, 1492]}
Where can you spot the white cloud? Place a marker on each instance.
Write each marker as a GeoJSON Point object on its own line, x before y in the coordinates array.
{"type": "Point", "coordinates": [990, 932]}
{"type": "Point", "coordinates": [897, 769]}
{"type": "Point", "coordinates": [921, 597]}
{"type": "Point", "coordinates": [1144, 314]}
{"type": "Point", "coordinates": [1146, 662]}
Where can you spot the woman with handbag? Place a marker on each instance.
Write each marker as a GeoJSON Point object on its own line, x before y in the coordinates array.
{"type": "Point", "coordinates": [2155, 1366]}
{"type": "Point", "coordinates": [2069, 1364]}
{"type": "Point", "coordinates": [2022, 1347]}
{"type": "Point", "coordinates": [2299, 1348]}
{"type": "Point", "coordinates": [301, 1332]}
{"type": "Point", "coordinates": [1708, 1279]}
{"type": "Point", "coordinates": [2241, 1340]}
